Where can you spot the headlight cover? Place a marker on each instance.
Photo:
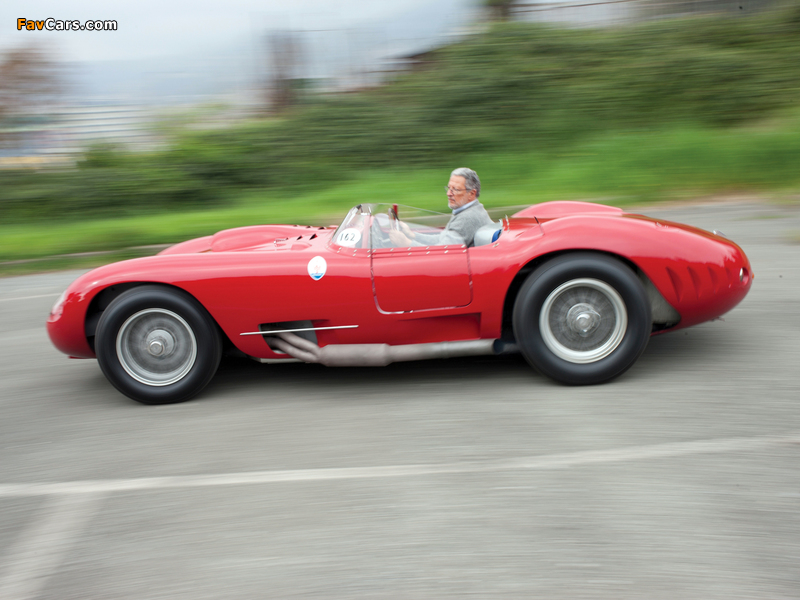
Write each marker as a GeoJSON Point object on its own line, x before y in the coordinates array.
{"type": "Point", "coordinates": [58, 307]}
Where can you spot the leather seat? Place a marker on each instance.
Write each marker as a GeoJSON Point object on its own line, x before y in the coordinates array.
{"type": "Point", "coordinates": [488, 234]}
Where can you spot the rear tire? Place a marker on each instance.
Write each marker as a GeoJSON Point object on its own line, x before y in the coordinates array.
{"type": "Point", "coordinates": [582, 318]}
{"type": "Point", "coordinates": [157, 345]}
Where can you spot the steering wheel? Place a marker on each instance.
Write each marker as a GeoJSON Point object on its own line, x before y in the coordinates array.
{"type": "Point", "coordinates": [394, 222]}
{"type": "Point", "coordinates": [381, 228]}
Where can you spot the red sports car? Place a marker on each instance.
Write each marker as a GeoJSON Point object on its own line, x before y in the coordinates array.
{"type": "Point", "coordinates": [577, 288]}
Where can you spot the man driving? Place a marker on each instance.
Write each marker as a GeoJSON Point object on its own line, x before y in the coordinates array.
{"type": "Point", "coordinates": [469, 215]}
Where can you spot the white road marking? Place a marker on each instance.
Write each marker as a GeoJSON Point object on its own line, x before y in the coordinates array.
{"type": "Point", "coordinates": [70, 505]}
{"type": "Point", "coordinates": [29, 297]}
{"type": "Point", "coordinates": [546, 462]}
{"type": "Point", "coordinates": [42, 547]}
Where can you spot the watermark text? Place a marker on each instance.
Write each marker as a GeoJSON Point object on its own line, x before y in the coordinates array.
{"type": "Point", "coordinates": [65, 25]}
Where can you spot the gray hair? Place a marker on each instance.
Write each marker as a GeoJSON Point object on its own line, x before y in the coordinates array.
{"type": "Point", "coordinates": [470, 179]}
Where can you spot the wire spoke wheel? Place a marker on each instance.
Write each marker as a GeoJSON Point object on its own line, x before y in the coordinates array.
{"type": "Point", "coordinates": [583, 320]}
{"type": "Point", "coordinates": [156, 347]}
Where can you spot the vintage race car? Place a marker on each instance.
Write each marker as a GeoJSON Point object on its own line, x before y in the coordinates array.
{"type": "Point", "coordinates": [577, 288]}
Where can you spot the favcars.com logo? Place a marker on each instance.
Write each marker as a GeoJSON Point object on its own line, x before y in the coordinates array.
{"type": "Point", "coordinates": [69, 25]}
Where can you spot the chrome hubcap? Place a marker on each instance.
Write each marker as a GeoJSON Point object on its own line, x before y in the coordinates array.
{"type": "Point", "coordinates": [160, 343]}
{"type": "Point", "coordinates": [156, 347]}
{"type": "Point", "coordinates": [583, 320]}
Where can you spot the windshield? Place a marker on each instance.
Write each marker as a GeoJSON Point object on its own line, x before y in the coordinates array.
{"type": "Point", "coordinates": [352, 233]}
{"type": "Point", "coordinates": [370, 226]}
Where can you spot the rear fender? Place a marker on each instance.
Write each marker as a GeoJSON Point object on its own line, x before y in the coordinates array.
{"type": "Point", "coordinates": [693, 272]}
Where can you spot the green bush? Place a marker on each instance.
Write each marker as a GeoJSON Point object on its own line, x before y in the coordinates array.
{"type": "Point", "coordinates": [515, 88]}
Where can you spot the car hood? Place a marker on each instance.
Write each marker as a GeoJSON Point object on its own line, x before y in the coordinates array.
{"type": "Point", "coordinates": [257, 237]}
{"type": "Point", "coordinates": [245, 238]}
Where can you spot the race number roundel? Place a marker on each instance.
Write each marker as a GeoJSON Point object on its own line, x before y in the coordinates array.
{"type": "Point", "coordinates": [317, 267]}
{"type": "Point", "coordinates": [349, 237]}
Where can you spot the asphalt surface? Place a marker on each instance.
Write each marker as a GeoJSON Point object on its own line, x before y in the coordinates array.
{"type": "Point", "coordinates": [461, 478]}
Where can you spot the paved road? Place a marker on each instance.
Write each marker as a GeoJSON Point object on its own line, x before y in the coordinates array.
{"type": "Point", "coordinates": [447, 479]}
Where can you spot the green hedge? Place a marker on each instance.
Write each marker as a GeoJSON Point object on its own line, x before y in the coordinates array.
{"type": "Point", "coordinates": [516, 87]}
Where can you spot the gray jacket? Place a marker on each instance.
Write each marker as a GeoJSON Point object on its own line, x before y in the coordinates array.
{"type": "Point", "coordinates": [459, 230]}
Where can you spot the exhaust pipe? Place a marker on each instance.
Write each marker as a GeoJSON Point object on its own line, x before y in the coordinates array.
{"type": "Point", "coordinates": [373, 355]}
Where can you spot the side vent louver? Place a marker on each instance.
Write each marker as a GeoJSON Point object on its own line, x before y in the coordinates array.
{"type": "Point", "coordinates": [676, 283]}
{"type": "Point", "coordinates": [698, 285]}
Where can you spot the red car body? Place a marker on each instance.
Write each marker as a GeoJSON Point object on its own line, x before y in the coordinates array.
{"type": "Point", "coordinates": [256, 278]}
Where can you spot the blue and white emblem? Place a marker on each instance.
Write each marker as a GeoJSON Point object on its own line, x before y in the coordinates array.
{"type": "Point", "coordinates": [317, 267]}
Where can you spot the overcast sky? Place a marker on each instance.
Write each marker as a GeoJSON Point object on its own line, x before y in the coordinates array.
{"type": "Point", "coordinates": [155, 28]}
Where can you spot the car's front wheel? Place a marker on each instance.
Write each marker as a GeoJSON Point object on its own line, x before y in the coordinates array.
{"type": "Point", "coordinates": [157, 345]}
{"type": "Point", "coordinates": [582, 318]}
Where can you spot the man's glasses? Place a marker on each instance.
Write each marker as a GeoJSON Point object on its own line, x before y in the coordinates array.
{"type": "Point", "coordinates": [449, 189]}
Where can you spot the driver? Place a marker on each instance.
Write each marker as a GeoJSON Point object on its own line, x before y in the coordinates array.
{"type": "Point", "coordinates": [469, 215]}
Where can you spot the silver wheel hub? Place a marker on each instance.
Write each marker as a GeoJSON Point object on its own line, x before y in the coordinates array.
{"type": "Point", "coordinates": [156, 347]}
{"type": "Point", "coordinates": [160, 343]}
{"type": "Point", "coordinates": [583, 320]}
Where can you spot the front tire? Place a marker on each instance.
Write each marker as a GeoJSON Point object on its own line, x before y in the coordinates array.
{"type": "Point", "coordinates": [157, 345]}
{"type": "Point", "coordinates": [582, 318]}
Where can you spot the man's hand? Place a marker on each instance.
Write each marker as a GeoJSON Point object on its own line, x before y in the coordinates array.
{"type": "Point", "coordinates": [406, 230]}
{"type": "Point", "coordinates": [399, 238]}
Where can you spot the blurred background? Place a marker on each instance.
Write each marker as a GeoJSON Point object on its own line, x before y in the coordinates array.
{"type": "Point", "coordinates": [182, 122]}
{"type": "Point", "coordinates": [679, 480]}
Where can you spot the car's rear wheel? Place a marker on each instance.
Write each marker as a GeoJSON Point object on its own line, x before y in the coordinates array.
{"type": "Point", "coordinates": [157, 345]}
{"type": "Point", "coordinates": [582, 318]}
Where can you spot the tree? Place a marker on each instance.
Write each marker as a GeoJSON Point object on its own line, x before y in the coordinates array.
{"type": "Point", "coordinates": [286, 59]}
{"type": "Point", "coordinates": [29, 80]}
{"type": "Point", "coordinates": [500, 9]}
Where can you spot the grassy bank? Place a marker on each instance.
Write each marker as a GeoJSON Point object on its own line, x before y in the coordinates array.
{"type": "Point", "coordinates": [648, 113]}
{"type": "Point", "coordinates": [517, 89]}
{"type": "Point", "coordinates": [624, 168]}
